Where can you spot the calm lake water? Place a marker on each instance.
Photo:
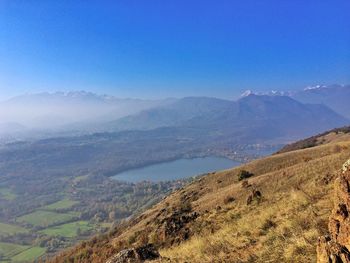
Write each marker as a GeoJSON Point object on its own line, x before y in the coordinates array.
{"type": "Point", "coordinates": [177, 169]}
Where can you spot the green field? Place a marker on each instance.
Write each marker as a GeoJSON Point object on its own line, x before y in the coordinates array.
{"type": "Point", "coordinates": [9, 250]}
{"type": "Point", "coordinates": [7, 194]}
{"type": "Point", "coordinates": [68, 230]}
{"type": "Point", "coordinates": [46, 218]}
{"type": "Point", "coordinates": [80, 178]}
{"type": "Point", "coordinates": [29, 254]}
{"type": "Point", "coordinates": [63, 204]}
{"type": "Point", "coordinates": [106, 225]}
{"type": "Point", "coordinates": [6, 229]}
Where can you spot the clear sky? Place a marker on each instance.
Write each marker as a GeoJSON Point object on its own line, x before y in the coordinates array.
{"type": "Point", "coordinates": [152, 48]}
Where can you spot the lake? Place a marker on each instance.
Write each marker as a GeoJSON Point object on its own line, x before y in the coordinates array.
{"type": "Point", "coordinates": [177, 169]}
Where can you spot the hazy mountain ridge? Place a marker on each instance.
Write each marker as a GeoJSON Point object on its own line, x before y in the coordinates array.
{"type": "Point", "coordinates": [61, 110]}
{"type": "Point", "coordinates": [173, 114]}
{"type": "Point", "coordinates": [272, 115]}
{"type": "Point", "coordinates": [280, 116]}
{"type": "Point", "coordinates": [334, 96]}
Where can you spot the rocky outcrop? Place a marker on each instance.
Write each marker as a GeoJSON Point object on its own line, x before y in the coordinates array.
{"type": "Point", "coordinates": [135, 255]}
{"type": "Point", "coordinates": [174, 227]}
{"type": "Point", "coordinates": [346, 166]}
{"type": "Point", "coordinates": [335, 247]}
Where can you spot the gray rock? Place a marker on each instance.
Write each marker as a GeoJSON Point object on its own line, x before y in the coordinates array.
{"type": "Point", "coordinates": [135, 255]}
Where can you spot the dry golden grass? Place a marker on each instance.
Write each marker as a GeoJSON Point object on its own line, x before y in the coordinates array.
{"type": "Point", "coordinates": [283, 227]}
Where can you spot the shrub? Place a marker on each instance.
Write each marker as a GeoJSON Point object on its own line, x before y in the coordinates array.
{"type": "Point", "coordinates": [185, 207]}
{"type": "Point", "coordinates": [132, 239]}
{"type": "Point", "coordinates": [155, 238]}
{"type": "Point", "coordinates": [268, 224]}
{"type": "Point", "coordinates": [243, 174]}
{"type": "Point", "coordinates": [228, 199]}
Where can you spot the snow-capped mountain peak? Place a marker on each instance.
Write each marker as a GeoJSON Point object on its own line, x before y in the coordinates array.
{"type": "Point", "coordinates": [246, 93]}
{"type": "Point", "coordinates": [315, 87]}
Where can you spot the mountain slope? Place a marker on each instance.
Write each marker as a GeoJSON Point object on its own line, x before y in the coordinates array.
{"type": "Point", "coordinates": [335, 97]}
{"type": "Point", "coordinates": [274, 216]}
{"type": "Point", "coordinates": [338, 134]}
{"type": "Point", "coordinates": [278, 116]}
{"type": "Point", "coordinates": [258, 118]}
{"type": "Point", "coordinates": [252, 118]}
{"type": "Point", "coordinates": [174, 114]}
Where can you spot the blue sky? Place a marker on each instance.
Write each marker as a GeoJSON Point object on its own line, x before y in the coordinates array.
{"type": "Point", "coordinates": [155, 49]}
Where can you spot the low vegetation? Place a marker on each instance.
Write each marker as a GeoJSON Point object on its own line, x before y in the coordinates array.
{"type": "Point", "coordinates": [46, 218]}
{"type": "Point", "coordinates": [62, 204]}
{"type": "Point", "coordinates": [243, 174]}
{"type": "Point", "coordinates": [7, 194]}
{"type": "Point", "coordinates": [7, 229]}
{"type": "Point", "coordinates": [8, 250]}
{"type": "Point", "coordinates": [19, 253]}
{"type": "Point", "coordinates": [29, 254]}
{"type": "Point", "coordinates": [77, 228]}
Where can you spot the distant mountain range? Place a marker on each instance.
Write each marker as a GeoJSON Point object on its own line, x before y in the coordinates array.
{"type": "Point", "coordinates": [265, 116]}
{"type": "Point", "coordinates": [336, 97]}
{"type": "Point", "coordinates": [258, 116]}
{"type": "Point", "coordinates": [62, 111]}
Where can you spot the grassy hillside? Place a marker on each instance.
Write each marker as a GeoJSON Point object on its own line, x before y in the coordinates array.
{"type": "Point", "coordinates": [338, 134]}
{"type": "Point", "coordinates": [276, 215]}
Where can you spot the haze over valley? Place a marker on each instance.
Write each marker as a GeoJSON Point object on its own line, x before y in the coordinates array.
{"type": "Point", "coordinates": [72, 113]}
